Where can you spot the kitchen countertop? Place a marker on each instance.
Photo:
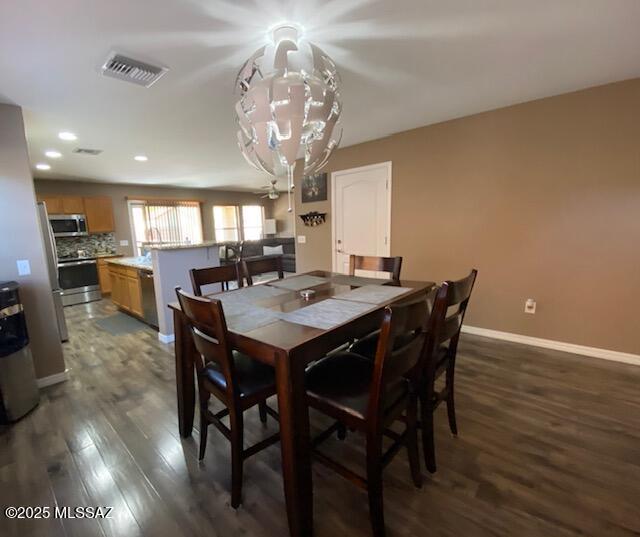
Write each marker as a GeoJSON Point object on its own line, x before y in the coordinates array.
{"type": "Point", "coordinates": [133, 262]}
{"type": "Point", "coordinates": [205, 244]}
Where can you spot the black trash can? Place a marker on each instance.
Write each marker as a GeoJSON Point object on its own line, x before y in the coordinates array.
{"type": "Point", "coordinates": [18, 387]}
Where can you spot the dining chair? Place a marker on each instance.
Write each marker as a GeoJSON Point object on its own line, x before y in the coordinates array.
{"type": "Point", "coordinates": [252, 266]}
{"type": "Point", "coordinates": [236, 380]}
{"type": "Point", "coordinates": [440, 355]}
{"type": "Point", "coordinates": [445, 324]}
{"type": "Point", "coordinates": [211, 275]}
{"type": "Point", "coordinates": [392, 265]}
{"type": "Point", "coordinates": [368, 396]}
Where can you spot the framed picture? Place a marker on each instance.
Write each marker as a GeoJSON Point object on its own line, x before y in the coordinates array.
{"type": "Point", "coordinates": [314, 188]}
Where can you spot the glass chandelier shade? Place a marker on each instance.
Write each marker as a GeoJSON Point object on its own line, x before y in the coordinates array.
{"type": "Point", "coordinates": [289, 106]}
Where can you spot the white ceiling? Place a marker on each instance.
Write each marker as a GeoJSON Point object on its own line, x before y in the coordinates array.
{"type": "Point", "coordinates": [404, 64]}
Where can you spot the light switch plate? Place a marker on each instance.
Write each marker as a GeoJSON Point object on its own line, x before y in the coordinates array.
{"type": "Point", "coordinates": [24, 268]}
{"type": "Point", "coordinates": [124, 242]}
{"type": "Point", "coordinates": [302, 239]}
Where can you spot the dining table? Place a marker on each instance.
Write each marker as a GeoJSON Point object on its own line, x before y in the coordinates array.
{"type": "Point", "coordinates": [274, 323]}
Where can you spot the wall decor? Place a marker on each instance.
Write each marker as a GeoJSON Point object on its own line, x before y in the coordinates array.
{"type": "Point", "coordinates": [313, 218]}
{"type": "Point", "coordinates": [314, 188]}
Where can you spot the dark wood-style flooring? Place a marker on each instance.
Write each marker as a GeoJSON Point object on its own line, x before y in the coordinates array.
{"type": "Point", "coordinates": [549, 445]}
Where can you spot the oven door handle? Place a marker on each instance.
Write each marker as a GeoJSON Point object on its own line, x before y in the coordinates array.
{"type": "Point", "coordinates": [76, 263]}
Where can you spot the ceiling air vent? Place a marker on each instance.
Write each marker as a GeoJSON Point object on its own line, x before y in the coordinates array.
{"type": "Point", "coordinates": [130, 70]}
{"type": "Point", "coordinates": [84, 151]}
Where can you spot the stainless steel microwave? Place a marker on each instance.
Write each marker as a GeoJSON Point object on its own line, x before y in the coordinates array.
{"type": "Point", "coordinates": [68, 225]}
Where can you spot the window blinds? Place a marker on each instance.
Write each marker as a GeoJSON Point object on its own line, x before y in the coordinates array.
{"type": "Point", "coordinates": [172, 222]}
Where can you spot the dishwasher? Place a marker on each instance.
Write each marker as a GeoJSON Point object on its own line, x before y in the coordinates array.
{"type": "Point", "coordinates": [149, 310]}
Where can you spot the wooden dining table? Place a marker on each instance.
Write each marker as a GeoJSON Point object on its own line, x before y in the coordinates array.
{"type": "Point", "coordinates": [289, 347]}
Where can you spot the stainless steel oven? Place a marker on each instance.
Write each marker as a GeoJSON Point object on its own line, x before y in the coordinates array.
{"type": "Point", "coordinates": [68, 225]}
{"type": "Point", "coordinates": [79, 281]}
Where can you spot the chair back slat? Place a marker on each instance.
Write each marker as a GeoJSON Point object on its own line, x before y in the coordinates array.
{"type": "Point", "coordinates": [444, 325]}
{"type": "Point", "coordinates": [209, 330]}
{"type": "Point", "coordinates": [450, 327]}
{"type": "Point", "coordinates": [460, 290]}
{"type": "Point", "coordinates": [392, 265]}
{"type": "Point", "coordinates": [211, 275]}
{"type": "Point", "coordinates": [260, 265]}
{"type": "Point", "coordinates": [400, 347]}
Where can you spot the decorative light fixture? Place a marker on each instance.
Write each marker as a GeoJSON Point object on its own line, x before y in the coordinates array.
{"type": "Point", "coordinates": [289, 106]}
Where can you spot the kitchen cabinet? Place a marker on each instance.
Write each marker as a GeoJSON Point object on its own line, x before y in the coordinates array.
{"type": "Point", "coordinates": [103, 274]}
{"type": "Point", "coordinates": [53, 203]}
{"type": "Point", "coordinates": [135, 295]}
{"type": "Point", "coordinates": [99, 213]}
{"type": "Point", "coordinates": [63, 204]}
{"type": "Point", "coordinates": [126, 291]}
{"type": "Point", "coordinates": [72, 205]}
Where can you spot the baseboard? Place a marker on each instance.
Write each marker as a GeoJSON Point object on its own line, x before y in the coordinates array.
{"type": "Point", "coordinates": [166, 338]}
{"type": "Point", "coordinates": [53, 379]}
{"type": "Point", "coordinates": [594, 352]}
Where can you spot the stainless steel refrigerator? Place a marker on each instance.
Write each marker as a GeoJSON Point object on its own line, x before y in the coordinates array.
{"type": "Point", "coordinates": [51, 255]}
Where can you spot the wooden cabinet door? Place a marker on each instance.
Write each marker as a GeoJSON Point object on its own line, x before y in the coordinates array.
{"type": "Point", "coordinates": [125, 301]}
{"type": "Point", "coordinates": [116, 294]}
{"type": "Point", "coordinates": [99, 212]}
{"type": "Point", "coordinates": [135, 295]}
{"type": "Point", "coordinates": [53, 203]}
{"type": "Point", "coordinates": [104, 277]}
{"type": "Point", "coordinates": [72, 205]}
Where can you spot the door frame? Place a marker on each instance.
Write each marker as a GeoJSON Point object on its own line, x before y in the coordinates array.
{"type": "Point", "coordinates": [334, 175]}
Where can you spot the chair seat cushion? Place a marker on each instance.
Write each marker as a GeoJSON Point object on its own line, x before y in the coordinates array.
{"type": "Point", "coordinates": [342, 381]}
{"type": "Point", "coordinates": [252, 376]}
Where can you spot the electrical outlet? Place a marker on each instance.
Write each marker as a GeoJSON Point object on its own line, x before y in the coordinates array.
{"type": "Point", "coordinates": [24, 268]}
{"type": "Point", "coordinates": [530, 306]}
{"type": "Point", "coordinates": [302, 239]}
{"type": "Point", "coordinates": [124, 242]}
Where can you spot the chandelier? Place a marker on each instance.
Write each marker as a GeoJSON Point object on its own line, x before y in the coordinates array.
{"type": "Point", "coordinates": [289, 106]}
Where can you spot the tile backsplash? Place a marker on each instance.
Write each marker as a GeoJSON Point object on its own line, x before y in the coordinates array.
{"type": "Point", "coordinates": [98, 243]}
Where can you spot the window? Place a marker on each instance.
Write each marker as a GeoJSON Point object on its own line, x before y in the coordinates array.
{"type": "Point", "coordinates": [233, 223]}
{"type": "Point", "coordinates": [225, 222]}
{"type": "Point", "coordinates": [252, 222]}
{"type": "Point", "coordinates": [165, 222]}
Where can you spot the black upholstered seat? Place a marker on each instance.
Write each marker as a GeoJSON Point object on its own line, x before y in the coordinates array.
{"type": "Point", "coordinates": [343, 381]}
{"type": "Point", "coordinates": [252, 376]}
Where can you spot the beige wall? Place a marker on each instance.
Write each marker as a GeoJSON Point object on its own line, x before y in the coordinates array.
{"type": "Point", "coordinates": [285, 223]}
{"type": "Point", "coordinates": [543, 198]}
{"type": "Point", "coordinates": [21, 239]}
{"type": "Point", "coordinates": [120, 192]}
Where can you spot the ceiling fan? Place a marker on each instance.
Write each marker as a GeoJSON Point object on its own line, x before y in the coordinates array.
{"type": "Point", "coordinates": [272, 192]}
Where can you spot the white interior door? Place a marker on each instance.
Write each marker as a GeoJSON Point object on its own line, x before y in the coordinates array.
{"type": "Point", "coordinates": [362, 215]}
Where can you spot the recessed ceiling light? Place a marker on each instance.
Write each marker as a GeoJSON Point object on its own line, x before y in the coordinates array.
{"type": "Point", "coordinates": [53, 154]}
{"type": "Point", "coordinates": [141, 158]}
{"type": "Point", "coordinates": [68, 136]}
{"type": "Point", "coordinates": [42, 166]}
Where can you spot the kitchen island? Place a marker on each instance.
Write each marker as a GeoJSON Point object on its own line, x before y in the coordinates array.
{"type": "Point", "coordinates": [132, 288]}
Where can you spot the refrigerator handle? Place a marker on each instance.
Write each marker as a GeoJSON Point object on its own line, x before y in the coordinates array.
{"type": "Point", "coordinates": [55, 253]}
{"type": "Point", "coordinates": [52, 243]}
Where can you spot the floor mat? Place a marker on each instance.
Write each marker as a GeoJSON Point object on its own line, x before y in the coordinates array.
{"type": "Point", "coordinates": [120, 323]}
